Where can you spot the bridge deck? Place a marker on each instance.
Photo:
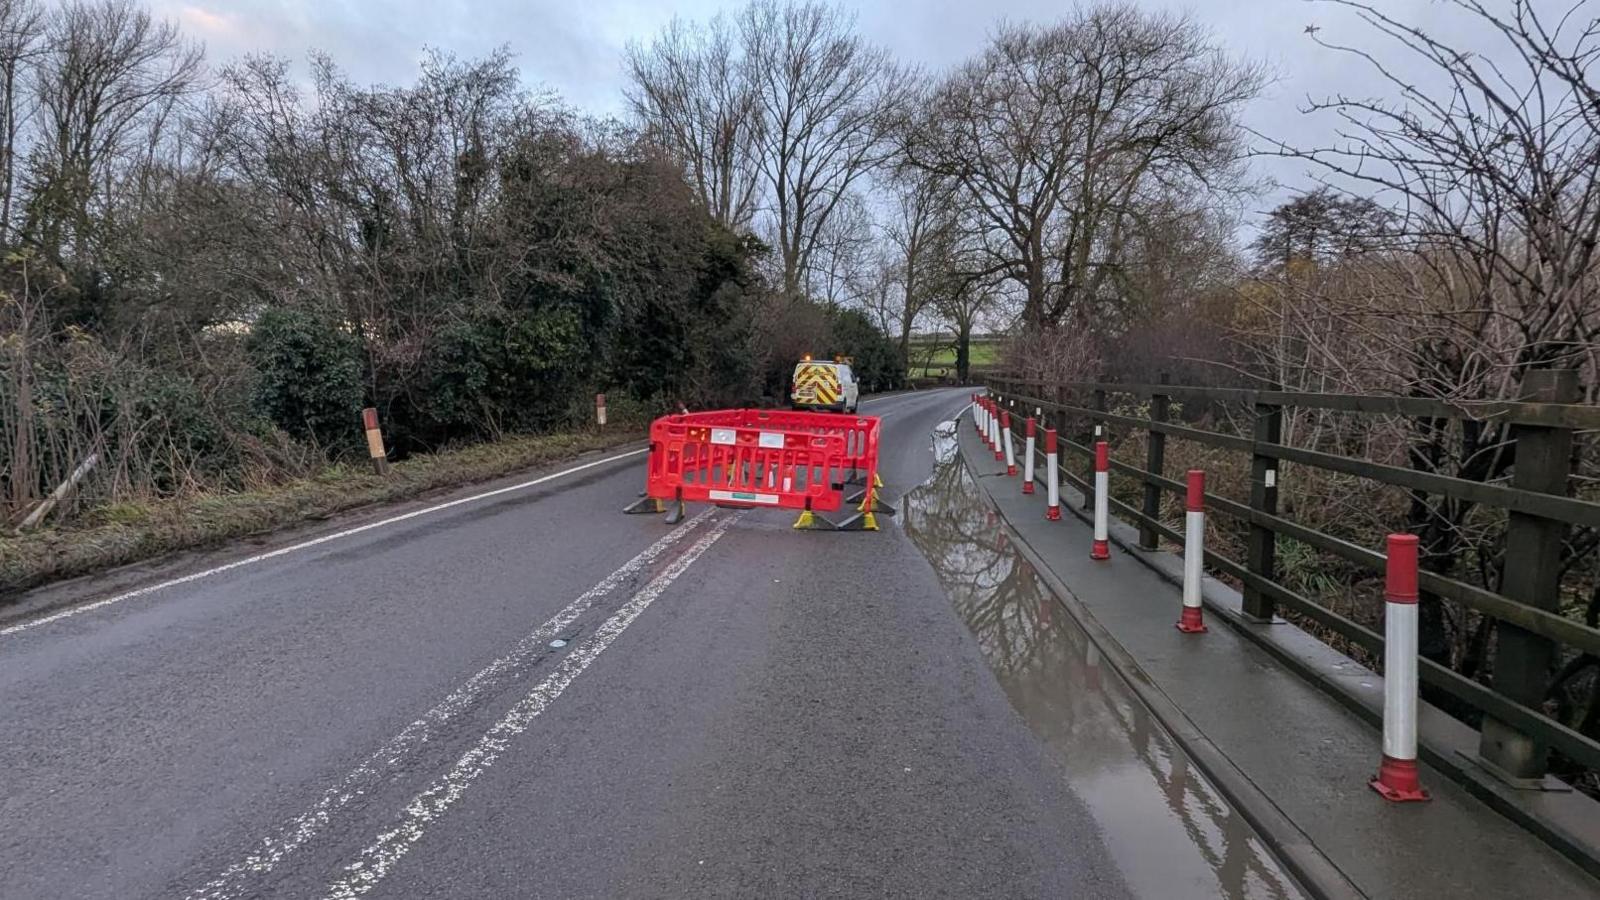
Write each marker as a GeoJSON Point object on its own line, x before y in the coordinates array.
{"type": "Point", "coordinates": [1310, 756]}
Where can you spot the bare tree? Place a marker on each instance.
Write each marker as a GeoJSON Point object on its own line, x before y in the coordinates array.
{"type": "Point", "coordinates": [1057, 137]}
{"type": "Point", "coordinates": [21, 24]}
{"type": "Point", "coordinates": [1490, 163]}
{"type": "Point", "coordinates": [960, 295]}
{"type": "Point", "coordinates": [1495, 181]}
{"type": "Point", "coordinates": [843, 264]}
{"type": "Point", "coordinates": [695, 92]}
{"type": "Point", "coordinates": [921, 229]}
{"type": "Point", "coordinates": [826, 99]}
{"type": "Point", "coordinates": [109, 74]}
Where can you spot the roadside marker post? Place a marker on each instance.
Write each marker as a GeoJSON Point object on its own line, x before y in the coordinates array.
{"type": "Point", "coordinates": [994, 433]}
{"type": "Point", "coordinates": [1027, 457]}
{"type": "Point", "coordinates": [1102, 501]}
{"type": "Point", "coordinates": [1052, 477]}
{"type": "Point", "coordinates": [600, 410]}
{"type": "Point", "coordinates": [1194, 553]}
{"type": "Point", "coordinates": [1397, 779]}
{"type": "Point", "coordinates": [375, 451]}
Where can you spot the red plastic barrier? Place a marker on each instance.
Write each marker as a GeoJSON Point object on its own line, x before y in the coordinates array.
{"type": "Point", "coordinates": [761, 457]}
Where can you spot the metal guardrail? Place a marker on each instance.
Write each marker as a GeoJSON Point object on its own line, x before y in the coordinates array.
{"type": "Point", "coordinates": [1516, 730]}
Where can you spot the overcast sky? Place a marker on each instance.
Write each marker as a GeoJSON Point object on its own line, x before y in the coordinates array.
{"type": "Point", "coordinates": [575, 46]}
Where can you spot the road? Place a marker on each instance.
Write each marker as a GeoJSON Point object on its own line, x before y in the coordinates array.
{"type": "Point", "coordinates": [528, 694]}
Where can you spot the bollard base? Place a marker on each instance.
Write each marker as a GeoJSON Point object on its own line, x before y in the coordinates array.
{"type": "Point", "coordinates": [1397, 781]}
{"type": "Point", "coordinates": [1192, 621]}
{"type": "Point", "coordinates": [1011, 471]}
{"type": "Point", "coordinates": [1101, 550]}
{"type": "Point", "coordinates": [998, 456]}
{"type": "Point", "coordinates": [1053, 514]}
{"type": "Point", "coordinates": [1027, 487]}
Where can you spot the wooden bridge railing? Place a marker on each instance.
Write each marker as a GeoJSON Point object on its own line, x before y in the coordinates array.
{"type": "Point", "coordinates": [1516, 733]}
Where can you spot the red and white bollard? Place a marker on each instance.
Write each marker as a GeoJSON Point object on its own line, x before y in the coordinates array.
{"type": "Point", "coordinates": [988, 423]}
{"type": "Point", "coordinates": [1102, 501]}
{"type": "Point", "coordinates": [1011, 453]}
{"type": "Point", "coordinates": [600, 410]}
{"type": "Point", "coordinates": [1397, 775]}
{"type": "Point", "coordinates": [1194, 553]}
{"type": "Point", "coordinates": [977, 412]}
{"type": "Point", "coordinates": [1052, 477]}
{"type": "Point", "coordinates": [995, 441]}
{"type": "Point", "coordinates": [1027, 457]}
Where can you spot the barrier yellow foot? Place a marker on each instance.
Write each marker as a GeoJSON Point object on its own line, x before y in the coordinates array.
{"type": "Point", "coordinates": [810, 521]}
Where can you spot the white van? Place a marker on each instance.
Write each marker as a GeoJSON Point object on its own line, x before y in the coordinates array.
{"type": "Point", "coordinates": [825, 385]}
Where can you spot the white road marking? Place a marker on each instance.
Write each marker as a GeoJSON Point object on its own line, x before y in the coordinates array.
{"type": "Point", "coordinates": [436, 799]}
{"type": "Point", "coordinates": [303, 545]}
{"type": "Point", "coordinates": [234, 881]}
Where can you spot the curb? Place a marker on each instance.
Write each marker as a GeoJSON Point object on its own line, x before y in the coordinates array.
{"type": "Point", "coordinates": [1300, 857]}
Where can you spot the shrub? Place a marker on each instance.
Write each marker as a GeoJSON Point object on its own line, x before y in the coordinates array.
{"type": "Point", "coordinates": [310, 376]}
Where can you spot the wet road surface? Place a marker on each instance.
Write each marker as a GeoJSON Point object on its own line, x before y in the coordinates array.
{"type": "Point", "coordinates": [531, 695]}
{"type": "Point", "coordinates": [1170, 831]}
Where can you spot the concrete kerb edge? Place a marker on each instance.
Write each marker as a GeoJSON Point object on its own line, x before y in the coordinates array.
{"type": "Point", "coordinates": [1449, 761]}
{"type": "Point", "coordinates": [1300, 857]}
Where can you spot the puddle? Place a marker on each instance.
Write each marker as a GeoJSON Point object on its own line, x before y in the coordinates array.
{"type": "Point", "coordinates": [1171, 833]}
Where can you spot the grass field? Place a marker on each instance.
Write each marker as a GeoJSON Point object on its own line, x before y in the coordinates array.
{"type": "Point", "coordinates": [943, 360]}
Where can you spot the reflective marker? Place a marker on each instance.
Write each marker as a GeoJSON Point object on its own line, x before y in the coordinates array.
{"type": "Point", "coordinates": [1052, 477]}
{"type": "Point", "coordinates": [1102, 501]}
{"type": "Point", "coordinates": [1397, 779]}
{"type": "Point", "coordinates": [1194, 553]}
{"type": "Point", "coordinates": [1027, 457]}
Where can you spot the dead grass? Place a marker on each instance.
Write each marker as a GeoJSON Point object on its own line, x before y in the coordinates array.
{"type": "Point", "coordinates": [127, 532]}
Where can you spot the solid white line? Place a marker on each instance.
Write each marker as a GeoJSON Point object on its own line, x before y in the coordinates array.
{"type": "Point", "coordinates": [436, 799]}
{"type": "Point", "coordinates": [235, 880]}
{"type": "Point", "coordinates": [303, 545]}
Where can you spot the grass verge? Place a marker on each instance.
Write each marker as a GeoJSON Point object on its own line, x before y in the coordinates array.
{"type": "Point", "coordinates": [131, 532]}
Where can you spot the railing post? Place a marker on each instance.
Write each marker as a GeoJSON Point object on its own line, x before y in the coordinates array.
{"type": "Point", "coordinates": [1061, 414]}
{"type": "Point", "coordinates": [1261, 546]}
{"type": "Point", "coordinates": [1532, 575]}
{"type": "Point", "coordinates": [1154, 462]}
{"type": "Point", "coordinates": [1098, 429]}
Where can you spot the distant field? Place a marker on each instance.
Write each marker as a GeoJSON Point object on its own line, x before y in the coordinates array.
{"type": "Point", "coordinates": [985, 353]}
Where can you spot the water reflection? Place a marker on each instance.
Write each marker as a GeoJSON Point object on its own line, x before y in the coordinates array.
{"type": "Point", "coordinates": [1172, 834]}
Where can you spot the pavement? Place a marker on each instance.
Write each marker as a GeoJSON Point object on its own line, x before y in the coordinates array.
{"type": "Point", "coordinates": [1289, 752]}
{"type": "Point", "coordinates": [517, 691]}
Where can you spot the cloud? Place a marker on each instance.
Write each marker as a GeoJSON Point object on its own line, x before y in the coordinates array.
{"type": "Point", "coordinates": [204, 24]}
{"type": "Point", "coordinates": [575, 48]}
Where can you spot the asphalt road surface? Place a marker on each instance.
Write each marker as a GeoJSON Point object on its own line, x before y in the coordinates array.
{"type": "Point", "coordinates": [530, 695]}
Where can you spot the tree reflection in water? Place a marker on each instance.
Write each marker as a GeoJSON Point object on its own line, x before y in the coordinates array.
{"type": "Point", "coordinates": [1139, 785]}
